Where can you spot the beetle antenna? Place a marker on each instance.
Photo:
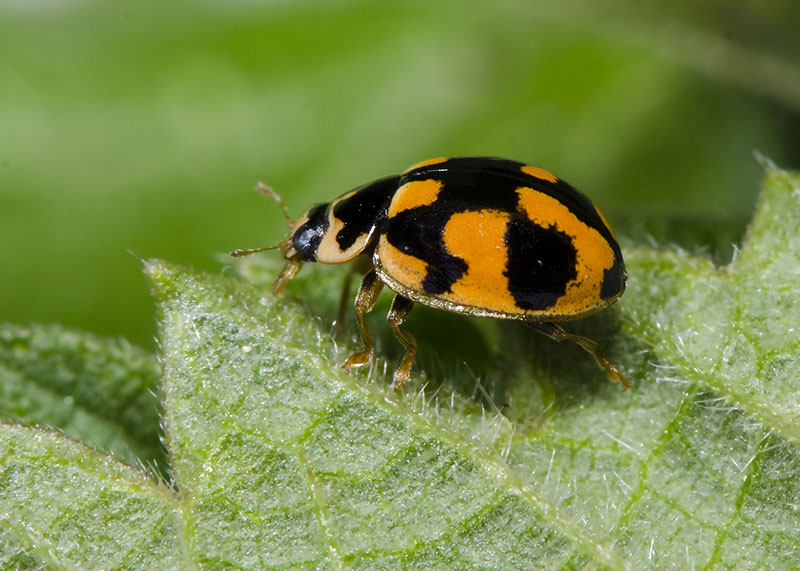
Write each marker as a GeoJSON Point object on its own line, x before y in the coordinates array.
{"type": "Point", "coordinates": [268, 191]}
{"type": "Point", "coordinates": [279, 246]}
{"type": "Point", "coordinates": [243, 253]}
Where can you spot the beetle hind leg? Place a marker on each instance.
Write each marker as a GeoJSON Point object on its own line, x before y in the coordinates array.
{"type": "Point", "coordinates": [557, 333]}
{"type": "Point", "coordinates": [398, 313]}
{"type": "Point", "coordinates": [371, 286]}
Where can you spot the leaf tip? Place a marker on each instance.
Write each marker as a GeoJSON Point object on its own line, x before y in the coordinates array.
{"type": "Point", "coordinates": [163, 276]}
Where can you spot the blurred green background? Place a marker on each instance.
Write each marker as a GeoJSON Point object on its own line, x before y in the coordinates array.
{"type": "Point", "coordinates": [137, 129]}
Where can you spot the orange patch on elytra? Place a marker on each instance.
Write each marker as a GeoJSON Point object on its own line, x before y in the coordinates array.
{"type": "Point", "coordinates": [478, 238]}
{"type": "Point", "coordinates": [539, 173]}
{"type": "Point", "coordinates": [414, 194]}
{"type": "Point", "coordinates": [409, 271]}
{"type": "Point", "coordinates": [594, 254]}
{"type": "Point", "coordinates": [426, 163]}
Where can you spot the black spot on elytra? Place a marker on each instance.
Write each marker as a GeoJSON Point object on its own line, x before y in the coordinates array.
{"type": "Point", "coordinates": [613, 280]}
{"type": "Point", "coordinates": [541, 261]}
{"type": "Point", "coordinates": [418, 232]}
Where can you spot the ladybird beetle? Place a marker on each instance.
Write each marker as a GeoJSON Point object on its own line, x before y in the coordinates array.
{"type": "Point", "coordinates": [476, 235]}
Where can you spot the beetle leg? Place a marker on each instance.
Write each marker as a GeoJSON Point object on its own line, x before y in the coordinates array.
{"type": "Point", "coordinates": [367, 295]}
{"type": "Point", "coordinates": [341, 312]}
{"type": "Point", "coordinates": [289, 271]}
{"type": "Point", "coordinates": [398, 313]}
{"type": "Point", "coordinates": [557, 333]}
{"type": "Point", "coordinates": [359, 265]}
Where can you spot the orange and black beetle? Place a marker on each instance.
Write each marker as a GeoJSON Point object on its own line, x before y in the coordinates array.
{"type": "Point", "coordinates": [475, 235]}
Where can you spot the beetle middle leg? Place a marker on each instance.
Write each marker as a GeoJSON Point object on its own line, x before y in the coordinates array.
{"type": "Point", "coordinates": [557, 333]}
{"type": "Point", "coordinates": [341, 311]}
{"type": "Point", "coordinates": [398, 313]}
{"type": "Point", "coordinates": [371, 286]}
{"type": "Point", "coordinates": [360, 265]}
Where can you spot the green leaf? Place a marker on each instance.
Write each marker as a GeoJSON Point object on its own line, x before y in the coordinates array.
{"type": "Point", "coordinates": [327, 467]}
{"type": "Point", "coordinates": [733, 330]}
{"type": "Point", "coordinates": [66, 506]}
{"type": "Point", "coordinates": [283, 460]}
{"type": "Point", "coordinates": [100, 391]}
{"type": "Point", "coordinates": [289, 461]}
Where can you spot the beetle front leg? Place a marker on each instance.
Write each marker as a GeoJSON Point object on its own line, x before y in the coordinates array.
{"type": "Point", "coordinates": [371, 286]}
{"type": "Point", "coordinates": [398, 313]}
{"type": "Point", "coordinates": [289, 271]}
{"type": "Point", "coordinates": [557, 333]}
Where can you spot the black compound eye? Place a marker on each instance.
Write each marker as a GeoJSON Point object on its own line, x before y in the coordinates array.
{"type": "Point", "coordinates": [306, 241]}
{"type": "Point", "coordinates": [308, 235]}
